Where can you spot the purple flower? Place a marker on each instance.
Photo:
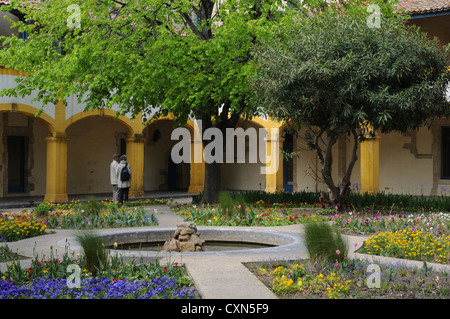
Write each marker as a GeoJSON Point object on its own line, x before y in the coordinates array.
{"type": "Point", "coordinates": [95, 288]}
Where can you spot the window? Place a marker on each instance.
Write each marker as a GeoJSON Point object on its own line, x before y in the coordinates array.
{"type": "Point", "coordinates": [23, 35]}
{"type": "Point", "coordinates": [445, 152]}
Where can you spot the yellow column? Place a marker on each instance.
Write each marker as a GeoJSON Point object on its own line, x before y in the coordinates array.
{"type": "Point", "coordinates": [370, 165]}
{"type": "Point", "coordinates": [135, 156]}
{"type": "Point", "coordinates": [197, 174]}
{"type": "Point", "coordinates": [56, 188]}
{"type": "Point", "coordinates": [274, 162]}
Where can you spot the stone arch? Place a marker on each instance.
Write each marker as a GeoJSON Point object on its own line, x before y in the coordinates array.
{"type": "Point", "coordinates": [29, 111]}
{"type": "Point", "coordinates": [92, 139]}
{"type": "Point", "coordinates": [23, 150]}
{"type": "Point", "coordinates": [130, 126]}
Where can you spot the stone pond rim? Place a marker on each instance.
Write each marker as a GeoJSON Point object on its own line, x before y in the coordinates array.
{"type": "Point", "coordinates": [280, 241]}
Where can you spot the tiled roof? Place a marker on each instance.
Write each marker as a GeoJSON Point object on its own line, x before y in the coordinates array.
{"type": "Point", "coordinates": [410, 6]}
{"type": "Point", "coordinates": [424, 6]}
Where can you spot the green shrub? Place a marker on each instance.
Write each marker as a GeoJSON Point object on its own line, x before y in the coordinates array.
{"type": "Point", "coordinates": [324, 243]}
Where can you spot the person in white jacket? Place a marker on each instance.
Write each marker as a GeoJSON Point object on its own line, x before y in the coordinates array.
{"type": "Point", "coordinates": [123, 185]}
{"type": "Point", "coordinates": [113, 176]}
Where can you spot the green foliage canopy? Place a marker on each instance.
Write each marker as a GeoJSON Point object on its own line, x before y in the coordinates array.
{"type": "Point", "coordinates": [334, 72]}
{"type": "Point", "coordinates": [154, 57]}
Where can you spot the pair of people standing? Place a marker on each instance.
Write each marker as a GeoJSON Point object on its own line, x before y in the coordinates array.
{"type": "Point", "coordinates": [120, 178]}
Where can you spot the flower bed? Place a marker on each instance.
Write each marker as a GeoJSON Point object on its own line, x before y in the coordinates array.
{"type": "Point", "coordinates": [362, 224]}
{"type": "Point", "coordinates": [410, 244]}
{"type": "Point", "coordinates": [96, 288]}
{"type": "Point", "coordinates": [20, 226]}
{"type": "Point", "coordinates": [75, 215]}
{"type": "Point", "coordinates": [104, 218]}
{"type": "Point", "coordinates": [300, 279]}
{"type": "Point", "coordinates": [47, 279]}
{"type": "Point", "coordinates": [46, 207]}
{"type": "Point", "coordinates": [252, 216]}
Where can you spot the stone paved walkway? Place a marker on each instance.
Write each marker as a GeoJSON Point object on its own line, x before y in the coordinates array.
{"type": "Point", "coordinates": [218, 275]}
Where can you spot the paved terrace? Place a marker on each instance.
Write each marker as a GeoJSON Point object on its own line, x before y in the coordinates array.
{"type": "Point", "coordinates": [217, 275]}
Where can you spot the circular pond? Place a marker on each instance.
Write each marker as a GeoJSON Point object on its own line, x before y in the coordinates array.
{"type": "Point", "coordinates": [211, 245]}
{"type": "Point", "coordinates": [218, 240]}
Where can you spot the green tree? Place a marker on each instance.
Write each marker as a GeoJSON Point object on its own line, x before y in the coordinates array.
{"type": "Point", "coordinates": [334, 75]}
{"type": "Point", "coordinates": [153, 57]}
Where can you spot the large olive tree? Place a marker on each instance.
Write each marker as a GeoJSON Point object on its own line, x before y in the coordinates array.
{"type": "Point", "coordinates": [337, 73]}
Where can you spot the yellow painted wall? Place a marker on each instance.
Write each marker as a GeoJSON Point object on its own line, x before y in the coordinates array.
{"type": "Point", "coordinates": [400, 171]}
{"type": "Point", "coordinates": [245, 176]}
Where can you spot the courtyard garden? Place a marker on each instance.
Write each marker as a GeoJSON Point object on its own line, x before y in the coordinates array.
{"type": "Point", "coordinates": [102, 275]}
{"type": "Point", "coordinates": [329, 273]}
{"type": "Point", "coordinates": [400, 226]}
{"type": "Point", "coordinates": [397, 226]}
{"type": "Point", "coordinates": [405, 232]}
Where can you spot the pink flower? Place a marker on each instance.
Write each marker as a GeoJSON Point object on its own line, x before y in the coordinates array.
{"type": "Point", "coordinates": [356, 244]}
{"type": "Point", "coordinates": [332, 217]}
{"type": "Point", "coordinates": [336, 266]}
{"type": "Point", "coordinates": [338, 252]}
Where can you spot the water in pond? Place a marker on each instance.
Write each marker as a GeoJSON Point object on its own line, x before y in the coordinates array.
{"type": "Point", "coordinates": [210, 245]}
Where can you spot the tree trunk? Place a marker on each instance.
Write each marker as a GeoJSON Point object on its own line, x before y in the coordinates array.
{"type": "Point", "coordinates": [212, 183]}
{"type": "Point", "coordinates": [212, 170]}
{"type": "Point", "coordinates": [337, 195]}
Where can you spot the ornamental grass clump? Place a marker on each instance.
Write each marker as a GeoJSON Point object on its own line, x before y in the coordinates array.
{"type": "Point", "coordinates": [95, 253]}
{"type": "Point", "coordinates": [324, 243]}
{"type": "Point", "coordinates": [231, 206]}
